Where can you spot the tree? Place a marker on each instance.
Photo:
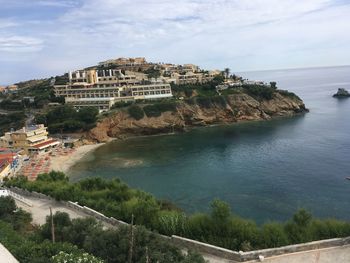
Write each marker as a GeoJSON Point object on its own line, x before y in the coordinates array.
{"type": "Point", "coordinates": [7, 207]}
{"type": "Point", "coordinates": [273, 84]}
{"type": "Point", "coordinates": [61, 220]}
{"type": "Point", "coordinates": [302, 218]}
{"type": "Point", "coordinates": [88, 114]}
{"type": "Point", "coordinates": [136, 112]}
{"type": "Point", "coordinates": [227, 72]}
{"type": "Point", "coordinates": [220, 211]}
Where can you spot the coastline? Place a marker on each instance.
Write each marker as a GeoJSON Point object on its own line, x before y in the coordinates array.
{"type": "Point", "coordinates": [63, 163]}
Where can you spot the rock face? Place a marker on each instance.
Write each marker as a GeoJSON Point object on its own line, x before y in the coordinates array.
{"type": "Point", "coordinates": [239, 107]}
{"type": "Point", "coordinates": [342, 93]}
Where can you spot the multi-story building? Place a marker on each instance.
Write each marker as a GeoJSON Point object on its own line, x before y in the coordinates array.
{"type": "Point", "coordinates": [33, 139]}
{"type": "Point", "coordinates": [134, 64]}
{"type": "Point", "coordinates": [9, 162]}
{"type": "Point", "coordinates": [5, 169]}
{"type": "Point", "coordinates": [102, 88]}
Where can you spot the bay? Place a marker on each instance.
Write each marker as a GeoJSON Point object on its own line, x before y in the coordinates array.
{"type": "Point", "coordinates": [265, 170]}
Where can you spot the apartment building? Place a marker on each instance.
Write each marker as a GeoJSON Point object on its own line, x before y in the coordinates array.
{"type": "Point", "coordinates": [134, 64]}
{"type": "Point", "coordinates": [5, 169]}
{"type": "Point", "coordinates": [33, 139]}
{"type": "Point", "coordinates": [104, 87]}
{"type": "Point", "coordinates": [193, 77]}
{"type": "Point", "coordinates": [9, 161]}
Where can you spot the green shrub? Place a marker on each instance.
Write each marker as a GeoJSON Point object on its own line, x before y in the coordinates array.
{"type": "Point", "coordinates": [259, 92]}
{"type": "Point", "coordinates": [136, 112]}
{"type": "Point", "coordinates": [152, 111]}
{"type": "Point", "coordinates": [204, 102]}
{"type": "Point", "coordinates": [121, 104]}
{"type": "Point", "coordinates": [156, 109]}
{"type": "Point", "coordinates": [289, 94]}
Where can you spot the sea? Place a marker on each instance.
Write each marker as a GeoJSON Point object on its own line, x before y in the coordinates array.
{"type": "Point", "coordinates": [265, 170]}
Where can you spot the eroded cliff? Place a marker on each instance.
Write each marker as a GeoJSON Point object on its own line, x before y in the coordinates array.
{"type": "Point", "coordinates": [236, 107]}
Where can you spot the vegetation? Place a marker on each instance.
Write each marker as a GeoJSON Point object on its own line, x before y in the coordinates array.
{"type": "Point", "coordinates": [80, 240]}
{"type": "Point", "coordinates": [202, 89]}
{"type": "Point", "coordinates": [11, 105]}
{"type": "Point", "coordinates": [67, 119]}
{"type": "Point", "coordinates": [219, 227]}
{"type": "Point", "coordinates": [288, 94]}
{"type": "Point", "coordinates": [11, 121]}
{"type": "Point", "coordinates": [156, 109]}
{"type": "Point", "coordinates": [152, 73]}
{"type": "Point", "coordinates": [207, 101]}
{"type": "Point", "coordinates": [41, 90]}
{"type": "Point", "coordinates": [121, 104]}
{"type": "Point", "coordinates": [136, 112]}
{"type": "Point", "coordinates": [259, 92]}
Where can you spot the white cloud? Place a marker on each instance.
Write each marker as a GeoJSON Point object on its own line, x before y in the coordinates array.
{"type": "Point", "coordinates": [20, 44]}
{"type": "Point", "coordinates": [255, 34]}
{"type": "Point", "coordinates": [6, 23]}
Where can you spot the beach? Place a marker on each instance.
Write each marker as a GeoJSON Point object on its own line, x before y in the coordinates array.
{"type": "Point", "coordinates": [62, 163]}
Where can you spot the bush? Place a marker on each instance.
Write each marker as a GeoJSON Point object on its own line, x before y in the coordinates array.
{"type": "Point", "coordinates": [67, 119]}
{"type": "Point", "coordinates": [121, 104]}
{"type": "Point", "coordinates": [155, 110]}
{"type": "Point", "coordinates": [204, 102]}
{"type": "Point", "coordinates": [289, 94]}
{"type": "Point", "coordinates": [63, 257]}
{"type": "Point", "coordinates": [259, 92]}
{"type": "Point", "coordinates": [136, 112]}
{"type": "Point", "coordinates": [152, 111]}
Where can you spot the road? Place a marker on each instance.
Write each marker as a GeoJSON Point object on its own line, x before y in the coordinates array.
{"type": "Point", "coordinates": [6, 256]}
{"type": "Point", "coordinates": [40, 209]}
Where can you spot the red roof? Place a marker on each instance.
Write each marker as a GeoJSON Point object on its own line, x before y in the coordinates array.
{"type": "Point", "coordinates": [3, 162]}
{"type": "Point", "coordinates": [8, 157]}
{"type": "Point", "coordinates": [43, 144]}
{"type": "Point", "coordinates": [5, 149]}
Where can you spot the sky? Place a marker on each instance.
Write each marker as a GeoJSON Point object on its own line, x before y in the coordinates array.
{"type": "Point", "coordinates": [43, 38]}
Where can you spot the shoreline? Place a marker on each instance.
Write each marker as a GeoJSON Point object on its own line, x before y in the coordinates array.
{"type": "Point", "coordinates": [63, 163]}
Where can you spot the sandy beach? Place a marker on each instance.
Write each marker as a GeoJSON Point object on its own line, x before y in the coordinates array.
{"type": "Point", "coordinates": [64, 162]}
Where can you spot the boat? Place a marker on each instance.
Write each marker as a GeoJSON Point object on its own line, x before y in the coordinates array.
{"type": "Point", "coordinates": [348, 178]}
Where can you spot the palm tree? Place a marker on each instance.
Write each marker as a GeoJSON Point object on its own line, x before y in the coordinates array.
{"type": "Point", "coordinates": [227, 72]}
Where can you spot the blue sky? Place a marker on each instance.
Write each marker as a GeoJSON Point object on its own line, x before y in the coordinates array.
{"type": "Point", "coordinates": [41, 38]}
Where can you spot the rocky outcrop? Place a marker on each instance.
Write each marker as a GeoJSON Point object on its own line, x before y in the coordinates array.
{"type": "Point", "coordinates": [239, 107]}
{"type": "Point", "coordinates": [342, 93]}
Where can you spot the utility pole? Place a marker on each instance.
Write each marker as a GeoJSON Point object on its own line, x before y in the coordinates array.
{"type": "Point", "coordinates": [52, 227]}
{"type": "Point", "coordinates": [147, 257]}
{"type": "Point", "coordinates": [131, 245]}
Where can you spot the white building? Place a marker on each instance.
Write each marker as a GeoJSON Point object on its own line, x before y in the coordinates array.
{"type": "Point", "coordinates": [103, 88]}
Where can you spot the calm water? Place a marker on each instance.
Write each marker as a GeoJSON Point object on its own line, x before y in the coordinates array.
{"type": "Point", "coordinates": [264, 170]}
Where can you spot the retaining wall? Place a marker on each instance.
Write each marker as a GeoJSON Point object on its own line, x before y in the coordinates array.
{"type": "Point", "coordinates": [199, 246]}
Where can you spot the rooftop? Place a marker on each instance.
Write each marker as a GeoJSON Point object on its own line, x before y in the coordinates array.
{"type": "Point", "coordinates": [46, 144]}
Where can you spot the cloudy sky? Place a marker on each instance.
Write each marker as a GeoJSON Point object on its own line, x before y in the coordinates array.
{"type": "Point", "coordinates": [40, 38]}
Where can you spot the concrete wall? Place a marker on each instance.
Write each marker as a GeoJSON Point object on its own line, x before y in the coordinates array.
{"type": "Point", "coordinates": [204, 248]}
{"type": "Point", "coordinates": [323, 250]}
{"type": "Point", "coordinates": [73, 205]}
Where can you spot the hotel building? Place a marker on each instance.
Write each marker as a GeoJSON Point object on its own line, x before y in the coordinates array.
{"type": "Point", "coordinates": [102, 88]}
{"type": "Point", "coordinates": [33, 139]}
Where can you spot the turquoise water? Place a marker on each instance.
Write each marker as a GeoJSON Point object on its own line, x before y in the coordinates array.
{"type": "Point", "coordinates": [264, 170]}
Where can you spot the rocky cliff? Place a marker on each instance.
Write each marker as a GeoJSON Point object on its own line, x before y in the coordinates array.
{"type": "Point", "coordinates": [237, 107]}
